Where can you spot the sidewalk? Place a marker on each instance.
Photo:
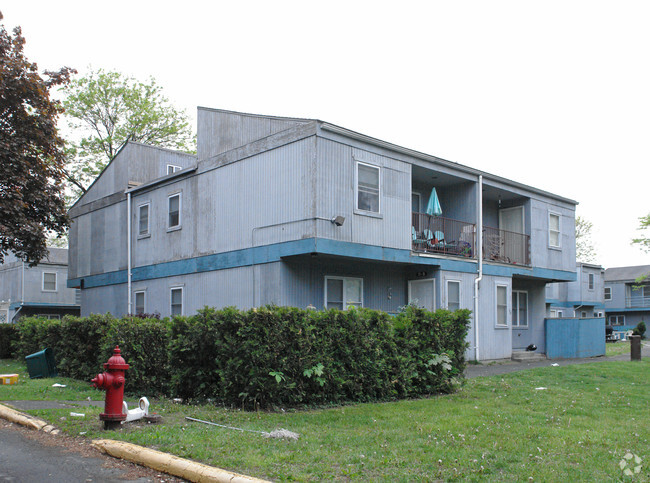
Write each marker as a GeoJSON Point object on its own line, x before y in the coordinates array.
{"type": "Point", "coordinates": [507, 366]}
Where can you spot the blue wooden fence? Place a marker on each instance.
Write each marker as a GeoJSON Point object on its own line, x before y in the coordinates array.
{"type": "Point", "coordinates": [575, 338]}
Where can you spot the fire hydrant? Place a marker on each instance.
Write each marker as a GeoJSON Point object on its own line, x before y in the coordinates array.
{"type": "Point", "coordinates": [113, 382]}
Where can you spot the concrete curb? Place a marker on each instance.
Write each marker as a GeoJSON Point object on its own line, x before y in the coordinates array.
{"type": "Point", "coordinates": [26, 420]}
{"type": "Point", "coordinates": [173, 465]}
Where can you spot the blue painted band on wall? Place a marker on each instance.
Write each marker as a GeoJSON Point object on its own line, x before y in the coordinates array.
{"type": "Point", "coordinates": [277, 251]}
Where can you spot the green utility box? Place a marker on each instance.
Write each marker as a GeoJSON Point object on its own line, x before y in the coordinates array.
{"type": "Point", "coordinates": [41, 364]}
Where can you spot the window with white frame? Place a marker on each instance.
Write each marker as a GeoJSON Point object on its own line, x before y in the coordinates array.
{"type": "Point", "coordinates": [591, 281]}
{"type": "Point", "coordinates": [171, 169]}
{"type": "Point", "coordinates": [583, 314]}
{"type": "Point", "coordinates": [560, 314]}
{"type": "Point", "coordinates": [143, 219]}
{"type": "Point", "coordinates": [174, 211]}
{"type": "Point", "coordinates": [608, 293]}
{"type": "Point", "coordinates": [453, 295]}
{"type": "Point", "coordinates": [49, 281]}
{"type": "Point", "coordinates": [139, 302]}
{"type": "Point", "coordinates": [367, 187]}
{"type": "Point", "coordinates": [554, 230]}
{"type": "Point", "coordinates": [502, 305]}
{"type": "Point", "coordinates": [519, 308]}
{"type": "Point", "coordinates": [176, 300]}
{"type": "Point", "coordinates": [616, 320]}
{"type": "Point", "coordinates": [553, 314]}
{"type": "Point", "coordinates": [343, 292]}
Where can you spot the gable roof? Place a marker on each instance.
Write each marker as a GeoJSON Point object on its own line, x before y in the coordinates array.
{"type": "Point", "coordinates": [626, 274]}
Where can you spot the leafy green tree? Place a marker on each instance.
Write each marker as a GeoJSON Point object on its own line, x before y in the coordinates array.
{"type": "Point", "coordinates": [106, 109]}
{"type": "Point", "coordinates": [32, 203]}
{"type": "Point", "coordinates": [585, 251]}
{"type": "Point", "coordinates": [643, 242]}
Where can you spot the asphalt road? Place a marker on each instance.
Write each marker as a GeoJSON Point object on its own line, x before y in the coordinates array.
{"type": "Point", "coordinates": [30, 456]}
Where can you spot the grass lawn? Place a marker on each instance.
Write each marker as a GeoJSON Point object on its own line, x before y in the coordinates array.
{"type": "Point", "coordinates": [616, 348]}
{"type": "Point", "coordinates": [569, 423]}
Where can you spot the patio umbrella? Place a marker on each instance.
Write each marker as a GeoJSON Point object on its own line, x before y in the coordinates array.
{"type": "Point", "coordinates": [433, 207]}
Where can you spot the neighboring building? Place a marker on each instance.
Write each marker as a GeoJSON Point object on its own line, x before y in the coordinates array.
{"type": "Point", "coordinates": [627, 302]}
{"type": "Point", "coordinates": [36, 291]}
{"type": "Point", "coordinates": [301, 212]}
{"type": "Point", "coordinates": [583, 298]}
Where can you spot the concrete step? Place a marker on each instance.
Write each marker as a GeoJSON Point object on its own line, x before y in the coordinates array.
{"type": "Point", "coordinates": [527, 356]}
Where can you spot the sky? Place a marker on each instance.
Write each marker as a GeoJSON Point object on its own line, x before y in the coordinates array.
{"type": "Point", "coordinates": [553, 94]}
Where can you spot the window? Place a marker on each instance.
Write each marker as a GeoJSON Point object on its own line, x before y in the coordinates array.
{"type": "Point", "coordinates": [343, 292]}
{"type": "Point", "coordinates": [502, 305]}
{"type": "Point", "coordinates": [143, 220]}
{"type": "Point", "coordinates": [554, 230]}
{"type": "Point", "coordinates": [519, 309]}
{"type": "Point", "coordinates": [453, 295]}
{"type": "Point", "coordinates": [174, 211]}
{"type": "Point", "coordinates": [49, 281]}
{"type": "Point", "coordinates": [367, 187]}
{"type": "Point", "coordinates": [591, 281]}
{"type": "Point", "coordinates": [553, 314]}
{"type": "Point", "coordinates": [608, 293]}
{"type": "Point", "coordinates": [50, 316]}
{"type": "Point", "coordinates": [171, 169]}
{"type": "Point", "coordinates": [139, 302]}
{"type": "Point", "coordinates": [560, 314]}
{"type": "Point", "coordinates": [616, 320]}
{"type": "Point", "coordinates": [176, 296]}
{"type": "Point", "coordinates": [583, 314]}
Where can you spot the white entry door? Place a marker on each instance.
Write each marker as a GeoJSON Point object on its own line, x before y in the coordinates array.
{"type": "Point", "coordinates": [512, 247]}
{"type": "Point", "coordinates": [422, 293]}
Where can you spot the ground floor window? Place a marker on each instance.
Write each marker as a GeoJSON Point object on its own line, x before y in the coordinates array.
{"type": "Point", "coordinates": [555, 313]}
{"type": "Point", "coordinates": [177, 301]}
{"type": "Point", "coordinates": [502, 305]}
{"type": "Point", "coordinates": [139, 302]}
{"type": "Point", "coordinates": [519, 308]}
{"type": "Point", "coordinates": [343, 292]}
{"type": "Point", "coordinates": [453, 295]}
{"type": "Point", "coordinates": [616, 320]}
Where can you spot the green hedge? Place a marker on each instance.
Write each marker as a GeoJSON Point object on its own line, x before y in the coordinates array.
{"type": "Point", "coordinates": [8, 337]}
{"type": "Point", "coordinates": [266, 357]}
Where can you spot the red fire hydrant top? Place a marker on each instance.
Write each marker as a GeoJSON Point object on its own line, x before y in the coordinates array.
{"type": "Point", "coordinates": [116, 361]}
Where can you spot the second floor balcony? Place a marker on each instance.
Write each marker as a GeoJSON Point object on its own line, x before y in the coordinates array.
{"type": "Point", "coordinates": [446, 236]}
{"type": "Point", "coordinates": [637, 302]}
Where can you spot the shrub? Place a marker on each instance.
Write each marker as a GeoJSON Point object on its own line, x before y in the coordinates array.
{"type": "Point", "coordinates": [639, 329]}
{"type": "Point", "coordinates": [260, 358]}
{"type": "Point", "coordinates": [8, 337]}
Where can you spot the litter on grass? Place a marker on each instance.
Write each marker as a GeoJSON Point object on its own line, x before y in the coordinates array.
{"type": "Point", "coordinates": [277, 434]}
{"type": "Point", "coordinates": [78, 415]}
{"type": "Point", "coordinates": [58, 385]}
{"type": "Point", "coordinates": [540, 389]}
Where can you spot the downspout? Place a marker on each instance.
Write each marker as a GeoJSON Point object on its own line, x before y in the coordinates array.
{"type": "Point", "coordinates": [128, 251]}
{"type": "Point", "coordinates": [22, 288]}
{"type": "Point", "coordinates": [477, 280]}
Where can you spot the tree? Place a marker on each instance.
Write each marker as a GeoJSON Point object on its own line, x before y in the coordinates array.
{"type": "Point", "coordinates": [105, 109]}
{"type": "Point", "coordinates": [32, 203]}
{"type": "Point", "coordinates": [643, 241]}
{"type": "Point", "coordinates": [585, 251]}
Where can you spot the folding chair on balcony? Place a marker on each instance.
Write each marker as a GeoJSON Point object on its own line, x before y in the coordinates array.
{"type": "Point", "coordinates": [418, 242]}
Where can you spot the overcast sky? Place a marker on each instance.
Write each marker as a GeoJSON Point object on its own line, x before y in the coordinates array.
{"type": "Point", "coordinates": [554, 94]}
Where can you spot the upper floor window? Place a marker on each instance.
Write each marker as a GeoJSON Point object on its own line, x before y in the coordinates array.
{"type": "Point", "coordinates": [608, 293]}
{"type": "Point", "coordinates": [49, 281]}
{"type": "Point", "coordinates": [174, 211]}
{"type": "Point", "coordinates": [143, 220]}
{"type": "Point", "coordinates": [519, 309]}
{"type": "Point", "coordinates": [502, 305]}
{"type": "Point", "coordinates": [367, 187]}
{"type": "Point", "coordinates": [453, 295]}
{"type": "Point", "coordinates": [554, 230]}
{"type": "Point", "coordinates": [171, 169]}
{"type": "Point", "coordinates": [343, 292]}
{"type": "Point", "coordinates": [591, 281]}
